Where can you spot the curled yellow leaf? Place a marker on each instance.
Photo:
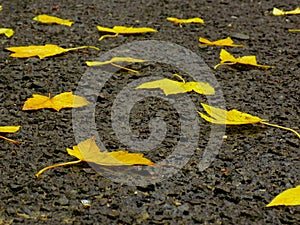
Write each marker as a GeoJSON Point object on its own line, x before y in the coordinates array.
{"type": "Point", "coordinates": [7, 32]}
{"type": "Point", "coordinates": [232, 117]}
{"type": "Point", "coordinates": [58, 102]}
{"type": "Point", "coordinates": [52, 19]}
{"type": "Point", "coordinates": [235, 117]}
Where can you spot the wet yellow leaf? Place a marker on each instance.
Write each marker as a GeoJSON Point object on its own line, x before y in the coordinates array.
{"type": "Point", "coordinates": [181, 21]}
{"type": "Point", "coordinates": [280, 12]}
{"type": "Point", "coordinates": [41, 51]}
{"type": "Point", "coordinates": [88, 151]}
{"type": "Point", "coordinates": [58, 102]}
{"type": "Point", "coordinates": [228, 59]}
{"type": "Point", "coordinates": [289, 197]}
{"type": "Point", "coordinates": [9, 129]}
{"type": "Point", "coordinates": [116, 59]}
{"type": "Point", "coordinates": [123, 30]}
{"type": "Point", "coordinates": [222, 42]}
{"type": "Point", "coordinates": [7, 32]}
{"type": "Point", "coordinates": [52, 19]}
{"type": "Point", "coordinates": [235, 117]}
{"type": "Point", "coordinates": [174, 87]}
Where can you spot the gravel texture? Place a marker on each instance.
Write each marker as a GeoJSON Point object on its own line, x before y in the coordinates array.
{"type": "Point", "coordinates": [254, 164]}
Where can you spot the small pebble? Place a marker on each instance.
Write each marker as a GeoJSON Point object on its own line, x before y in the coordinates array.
{"type": "Point", "coordinates": [86, 203]}
{"type": "Point", "coordinates": [240, 36]}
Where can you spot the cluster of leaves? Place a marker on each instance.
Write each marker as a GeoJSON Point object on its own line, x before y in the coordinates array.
{"type": "Point", "coordinates": [87, 151]}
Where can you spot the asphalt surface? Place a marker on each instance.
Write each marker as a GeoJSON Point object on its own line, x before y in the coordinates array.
{"type": "Point", "coordinates": [253, 165]}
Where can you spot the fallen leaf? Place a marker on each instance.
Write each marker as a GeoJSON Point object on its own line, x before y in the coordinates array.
{"type": "Point", "coordinates": [181, 21]}
{"type": "Point", "coordinates": [116, 59]}
{"type": "Point", "coordinates": [52, 19]}
{"type": "Point", "coordinates": [289, 197]}
{"type": "Point", "coordinates": [1, 7]}
{"type": "Point", "coordinates": [58, 102]}
{"type": "Point", "coordinates": [88, 151]}
{"type": "Point", "coordinates": [294, 30]}
{"type": "Point", "coordinates": [279, 12]}
{"type": "Point", "coordinates": [41, 51]}
{"type": "Point", "coordinates": [235, 117]}
{"type": "Point", "coordinates": [228, 59]}
{"type": "Point", "coordinates": [232, 117]}
{"type": "Point", "coordinates": [9, 129]}
{"type": "Point", "coordinates": [7, 32]}
{"type": "Point", "coordinates": [174, 87]}
{"type": "Point", "coordinates": [123, 30]}
{"type": "Point", "coordinates": [222, 42]}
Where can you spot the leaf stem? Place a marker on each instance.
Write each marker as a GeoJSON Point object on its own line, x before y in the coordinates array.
{"type": "Point", "coordinates": [178, 76]}
{"type": "Point", "coordinates": [56, 165]}
{"type": "Point", "coordinates": [108, 35]}
{"type": "Point", "coordinates": [81, 47]}
{"type": "Point", "coordinates": [10, 140]}
{"type": "Point", "coordinates": [281, 127]}
{"type": "Point", "coordinates": [124, 68]}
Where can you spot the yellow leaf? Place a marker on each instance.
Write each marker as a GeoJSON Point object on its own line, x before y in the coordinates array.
{"type": "Point", "coordinates": [222, 42]}
{"type": "Point", "coordinates": [9, 129]}
{"type": "Point", "coordinates": [235, 117]}
{"type": "Point", "coordinates": [232, 117]}
{"type": "Point", "coordinates": [1, 7]}
{"type": "Point", "coordinates": [228, 59]}
{"type": "Point", "coordinates": [88, 151]}
{"type": "Point", "coordinates": [41, 51]}
{"type": "Point", "coordinates": [123, 30]}
{"type": "Point", "coordinates": [63, 100]}
{"type": "Point", "coordinates": [116, 59]}
{"type": "Point", "coordinates": [7, 32]}
{"type": "Point", "coordinates": [52, 19]}
{"type": "Point", "coordinates": [294, 30]}
{"type": "Point", "coordinates": [181, 21]}
{"type": "Point", "coordinates": [174, 87]}
{"type": "Point", "coordinates": [289, 197]}
{"type": "Point", "coordinates": [279, 12]}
